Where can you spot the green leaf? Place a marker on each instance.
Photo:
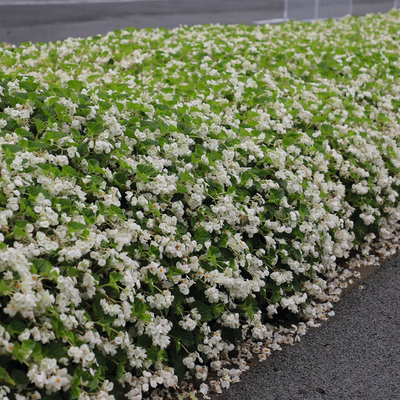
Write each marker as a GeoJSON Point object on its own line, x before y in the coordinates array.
{"type": "Point", "coordinates": [231, 335]}
{"type": "Point", "coordinates": [35, 145]}
{"type": "Point", "coordinates": [55, 135]}
{"type": "Point", "coordinates": [3, 198]}
{"type": "Point", "coordinates": [76, 85]}
{"type": "Point", "coordinates": [42, 266]}
{"type": "Point", "coordinates": [30, 213]}
{"type": "Point", "coordinates": [4, 288]}
{"type": "Point", "coordinates": [145, 317]}
{"type": "Point", "coordinates": [94, 383]}
{"type": "Point", "coordinates": [120, 369]}
{"type": "Point", "coordinates": [21, 223]}
{"type": "Point", "coordinates": [181, 188]}
{"type": "Point", "coordinates": [5, 377]}
{"type": "Point", "coordinates": [67, 170]}
{"type": "Point", "coordinates": [116, 211]}
{"type": "Point", "coordinates": [276, 296]}
{"type": "Point", "coordinates": [251, 306]}
{"type": "Point", "coordinates": [49, 169]}
{"type": "Point", "coordinates": [205, 310]}
{"type": "Point", "coordinates": [201, 235]}
{"type": "Point", "coordinates": [116, 277]}
{"type": "Point", "coordinates": [93, 164]}
{"type": "Point", "coordinates": [69, 335]}
{"type": "Point", "coordinates": [35, 190]}
{"type": "Point", "coordinates": [12, 148]}
{"type": "Point", "coordinates": [290, 138]}
{"type": "Point", "coordinates": [276, 195]}
{"type": "Point", "coordinates": [144, 341]}
{"type": "Point", "coordinates": [74, 226]}
{"type": "Point", "coordinates": [20, 377]}
{"type": "Point", "coordinates": [185, 177]}
{"type": "Point", "coordinates": [89, 215]}
{"type": "Point", "coordinates": [139, 308]}
{"type": "Point", "coordinates": [150, 142]}
{"type": "Point", "coordinates": [120, 179]}
{"type": "Point", "coordinates": [183, 336]}
{"type": "Point", "coordinates": [76, 383]}
{"type": "Point", "coordinates": [179, 366]}
{"type": "Point", "coordinates": [19, 233]}
{"type": "Point", "coordinates": [326, 130]}
{"type": "Point", "coordinates": [154, 251]}
{"type": "Point", "coordinates": [296, 253]}
{"type": "Point", "coordinates": [28, 345]}
{"type": "Point", "coordinates": [175, 271]}
{"type": "Point", "coordinates": [94, 128]}
{"type": "Point", "coordinates": [21, 352]}
{"type": "Point", "coordinates": [162, 355]}
{"type": "Point", "coordinates": [54, 396]}
{"type": "Point", "coordinates": [40, 125]}
{"type": "Point", "coordinates": [55, 350]}
{"type": "Point", "coordinates": [218, 310]}
{"type": "Point", "coordinates": [17, 326]}
{"type": "Point", "coordinates": [223, 240]}
{"type": "Point", "coordinates": [152, 353]}
{"type": "Point", "coordinates": [147, 170]}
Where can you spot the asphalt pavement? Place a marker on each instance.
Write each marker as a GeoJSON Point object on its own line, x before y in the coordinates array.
{"type": "Point", "coordinates": [43, 21]}
{"type": "Point", "coordinates": [355, 355]}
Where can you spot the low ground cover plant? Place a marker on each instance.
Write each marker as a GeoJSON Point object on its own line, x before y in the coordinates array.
{"type": "Point", "coordinates": [167, 194]}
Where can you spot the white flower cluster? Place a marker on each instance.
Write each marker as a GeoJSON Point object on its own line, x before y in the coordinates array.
{"type": "Point", "coordinates": [48, 375]}
{"type": "Point", "coordinates": [166, 195]}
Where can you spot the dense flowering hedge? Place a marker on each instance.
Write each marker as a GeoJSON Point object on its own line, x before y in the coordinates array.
{"type": "Point", "coordinates": [168, 193]}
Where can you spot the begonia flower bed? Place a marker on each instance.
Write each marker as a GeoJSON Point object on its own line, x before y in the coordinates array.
{"type": "Point", "coordinates": [168, 195]}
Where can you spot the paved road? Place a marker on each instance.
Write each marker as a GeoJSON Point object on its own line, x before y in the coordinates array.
{"type": "Point", "coordinates": [41, 20]}
{"type": "Point", "coordinates": [355, 355]}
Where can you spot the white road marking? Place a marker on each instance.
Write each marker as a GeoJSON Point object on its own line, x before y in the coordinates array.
{"type": "Point", "coordinates": [271, 21]}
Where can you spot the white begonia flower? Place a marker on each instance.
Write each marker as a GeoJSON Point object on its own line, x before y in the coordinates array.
{"type": "Point", "coordinates": [203, 389]}
{"type": "Point", "coordinates": [61, 160]}
{"type": "Point", "coordinates": [76, 353]}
